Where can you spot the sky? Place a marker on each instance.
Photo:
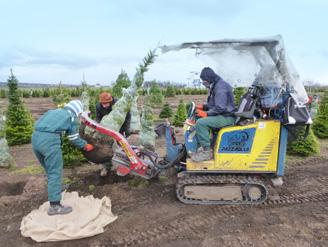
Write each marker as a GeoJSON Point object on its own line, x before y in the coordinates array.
{"type": "Point", "coordinates": [64, 40]}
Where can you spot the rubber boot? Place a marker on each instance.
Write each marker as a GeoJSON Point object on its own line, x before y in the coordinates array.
{"type": "Point", "coordinates": [59, 209]}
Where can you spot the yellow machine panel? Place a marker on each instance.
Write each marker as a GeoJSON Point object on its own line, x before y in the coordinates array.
{"type": "Point", "coordinates": [251, 148]}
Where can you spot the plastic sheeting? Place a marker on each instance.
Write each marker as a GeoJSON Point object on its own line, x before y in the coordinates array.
{"type": "Point", "coordinates": [128, 102]}
{"type": "Point", "coordinates": [115, 119]}
{"type": "Point", "coordinates": [85, 99]}
{"type": "Point", "coordinates": [5, 158]}
{"type": "Point", "coordinates": [147, 135]}
{"type": "Point", "coordinates": [135, 125]}
{"type": "Point", "coordinates": [244, 62]}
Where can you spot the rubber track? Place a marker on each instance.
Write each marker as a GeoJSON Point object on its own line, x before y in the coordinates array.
{"type": "Point", "coordinates": [194, 222]}
{"type": "Point", "coordinates": [222, 179]}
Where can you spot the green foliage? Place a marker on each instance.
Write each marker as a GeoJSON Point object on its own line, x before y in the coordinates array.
{"type": "Point", "coordinates": [122, 81]}
{"type": "Point", "coordinates": [25, 93]}
{"type": "Point", "coordinates": [178, 91]}
{"type": "Point", "coordinates": [2, 93]}
{"type": "Point", "coordinates": [36, 93]}
{"type": "Point", "coordinates": [60, 96]}
{"type": "Point", "coordinates": [143, 67]}
{"type": "Point", "coordinates": [181, 114]}
{"type": "Point", "coordinates": [71, 154]}
{"type": "Point", "coordinates": [320, 124]}
{"type": "Point", "coordinates": [170, 91]}
{"type": "Point", "coordinates": [92, 106]}
{"type": "Point", "coordinates": [91, 187]}
{"type": "Point", "coordinates": [238, 92]}
{"type": "Point", "coordinates": [19, 122]}
{"type": "Point", "coordinates": [166, 111]}
{"type": "Point", "coordinates": [46, 93]}
{"type": "Point", "coordinates": [303, 147]}
{"type": "Point", "coordinates": [28, 170]}
{"type": "Point", "coordinates": [155, 94]}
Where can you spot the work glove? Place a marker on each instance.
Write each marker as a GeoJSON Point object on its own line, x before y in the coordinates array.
{"type": "Point", "coordinates": [200, 107]}
{"type": "Point", "coordinates": [88, 147]}
{"type": "Point", "coordinates": [201, 114]}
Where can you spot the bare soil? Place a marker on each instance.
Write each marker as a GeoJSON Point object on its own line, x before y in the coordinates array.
{"type": "Point", "coordinates": [150, 215]}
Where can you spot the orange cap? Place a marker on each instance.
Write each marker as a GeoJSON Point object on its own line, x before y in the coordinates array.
{"type": "Point", "coordinates": [105, 97]}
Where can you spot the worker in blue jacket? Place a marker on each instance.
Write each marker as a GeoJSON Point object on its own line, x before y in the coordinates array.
{"type": "Point", "coordinates": [215, 114]}
{"type": "Point", "coordinates": [46, 142]}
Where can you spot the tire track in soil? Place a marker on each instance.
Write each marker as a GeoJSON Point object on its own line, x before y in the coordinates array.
{"type": "Point", "coordinates": [192, 224]}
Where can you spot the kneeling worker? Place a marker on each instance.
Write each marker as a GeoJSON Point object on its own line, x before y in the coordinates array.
{"type": "Point", "coordinates": [215, 114]}
{"type": "Point", "coordinates": [104, 107]}
{"type": "Point", "coordinates": [46, 143]}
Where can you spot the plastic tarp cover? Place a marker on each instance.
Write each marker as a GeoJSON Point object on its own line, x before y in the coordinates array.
{"type": "Point", "coordinates": [243, 62]}
{"type": "Point", "coordinates": [135, 125]}
{"type": "Point", "coordinates": [5, 158]}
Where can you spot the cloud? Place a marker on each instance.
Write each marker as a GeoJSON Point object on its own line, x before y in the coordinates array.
{"type": "Point", "coordinates": [30, 57]}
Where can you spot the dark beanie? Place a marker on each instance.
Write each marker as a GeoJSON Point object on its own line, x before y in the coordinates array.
{"type": "Point", "coordinates": [208, 75]}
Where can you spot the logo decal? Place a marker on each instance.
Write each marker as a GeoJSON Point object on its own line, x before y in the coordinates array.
{"type": "Point", "coordinates": [239, 141]}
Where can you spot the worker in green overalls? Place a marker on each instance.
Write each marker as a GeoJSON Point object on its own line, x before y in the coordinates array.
{"type": "Point", "coordinates": [46, 143]}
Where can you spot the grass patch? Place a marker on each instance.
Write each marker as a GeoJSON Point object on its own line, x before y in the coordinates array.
{"type": "Point", "coordinates": [138, 182]}
{"type": "Point", "coordinates": [91, 187]}
{"type": "Point", "coordinates": [68, 181]}
{"type": "Point", "coordinates": [28, 170]}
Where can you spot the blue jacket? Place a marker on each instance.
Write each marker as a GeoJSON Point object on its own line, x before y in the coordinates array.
{"type": "Point", "coordinates": [61, 121]}
{"type": "Point", "coordinates": [220, 99]}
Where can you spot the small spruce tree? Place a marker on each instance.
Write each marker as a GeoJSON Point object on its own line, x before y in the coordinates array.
{"type": "Point", "coordinates": [170, 91]}
{"type": "Point", "coordinates": [61, 96]}
{"type": "Point", "coordinates": [181, 114]}
{"type": "Point", "coordinates": [2, 93]}
{"type": "Point", "coordinates": [320, 124]}
{"type": "Point", "coordinates": [46, 93]}
{"type": "Point", "coordinates": [166, 111]}
{"type": "Point", "coordinates": [122, 81]}
{"type": "Point", "coordinates": [155, 92]}
{"type": "Point", "coordinates": [303, 147]}
{"type": "Point", "coordinates": [19, 122]}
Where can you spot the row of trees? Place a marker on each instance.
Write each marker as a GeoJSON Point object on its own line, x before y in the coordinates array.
{"type": "Point", "coordinates": [19, 123]}
{"type": "Point", "coordinates": [122, 81]}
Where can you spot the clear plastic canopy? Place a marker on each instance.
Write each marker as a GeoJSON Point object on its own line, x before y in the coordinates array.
{"type": "Point", "coordinates": [244, 62]}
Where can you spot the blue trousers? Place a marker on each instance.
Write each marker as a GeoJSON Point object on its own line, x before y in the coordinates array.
{"type": "Point", "coordinates": [47, 149]}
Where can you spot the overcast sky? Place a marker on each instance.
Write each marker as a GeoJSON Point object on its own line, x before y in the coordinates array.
{"type": "Point", "coordinates": [52, 41]}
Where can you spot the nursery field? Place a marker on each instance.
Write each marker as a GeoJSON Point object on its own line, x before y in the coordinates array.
{"type": "Point", "coordinates": [149, 214]}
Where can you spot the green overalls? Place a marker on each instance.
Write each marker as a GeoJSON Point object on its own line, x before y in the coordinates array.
{"type": "Point", "coordinates": [46, 143]}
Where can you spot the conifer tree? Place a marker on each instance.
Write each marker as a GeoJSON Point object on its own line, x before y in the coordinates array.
{"type": "Point", "coordinates": [155, 94]}
{"type": "Point", "coordinates": [61, 96]}
{"type": "Point", "coordinates": [170, 91]}
{"type": "Point", "coordinates": [320, 124]}
{"type": "Point", "coordinates": [303, 146]}
{"type": "Point", "coordinates": [2, 93]}
{"type": "Point", "coordinates": [19, 122]}
{"type": "Point", "coordinates": [181, 114]}
{"type": "Point", "coordinates": [122, 81]}
{"type": "Point", "coordinates": [166, 111]}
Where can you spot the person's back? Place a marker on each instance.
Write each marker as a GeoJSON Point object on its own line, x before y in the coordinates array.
{"type": "Point", "coordinates": [46, 144]}
{"type": "Point", "coordinates": [54, 121]}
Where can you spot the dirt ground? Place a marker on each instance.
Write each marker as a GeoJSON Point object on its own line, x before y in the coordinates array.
{"type": "Point", "coordinates": [149, 214]}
